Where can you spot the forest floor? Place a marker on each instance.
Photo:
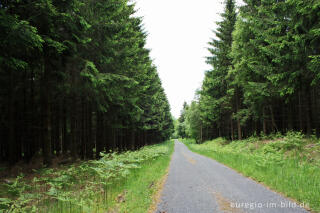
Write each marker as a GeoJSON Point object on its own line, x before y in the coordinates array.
{"type": "Point", "coordinates": [125, 182]}
{"type": "Point", "coordinates": [199, 184]}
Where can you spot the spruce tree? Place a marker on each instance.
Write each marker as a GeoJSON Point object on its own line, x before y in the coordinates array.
{"type": "Point", "coordinates": [215, 102]}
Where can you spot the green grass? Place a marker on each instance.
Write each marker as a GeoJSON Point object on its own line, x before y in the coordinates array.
{"type": "Point", "coordinates": [123, 182]}
{"type": "Point", "coordinates": [141, 185]}
{"type": "Point", "coordinates": [290, 164]}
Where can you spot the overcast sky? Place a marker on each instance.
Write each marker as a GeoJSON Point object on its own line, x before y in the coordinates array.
{"type": "Point", "coordinates": [179, 31]}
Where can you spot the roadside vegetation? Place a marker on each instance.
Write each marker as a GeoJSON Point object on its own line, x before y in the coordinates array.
{"type": "Point", "coordinates": [264, 74]}
{"type": "Point", "coordinates": [289, 164]}
{"type": "Point", "coordinates": [124, 182]}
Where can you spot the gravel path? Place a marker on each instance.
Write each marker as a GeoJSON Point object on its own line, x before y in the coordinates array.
{"type": "Point", "coordinates": [197, 184]}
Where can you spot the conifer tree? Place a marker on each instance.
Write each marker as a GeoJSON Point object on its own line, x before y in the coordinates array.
{"type": "Point", "coordinates": [83, 67]}
{"type": "Point", "coordinates": [215, 102]}
{"type": "Point", "coordinates": [268, 79]}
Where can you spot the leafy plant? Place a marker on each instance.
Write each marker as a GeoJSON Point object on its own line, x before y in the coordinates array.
{"type": "Point", "coordinates": [293, 140]}
{"type": "Point", "coordinates": [77, 186]}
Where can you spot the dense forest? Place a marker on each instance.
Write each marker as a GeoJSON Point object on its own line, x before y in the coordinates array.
{"type": "Point", "coordinates": [265, 72]}
{"type": "Point", "coordinates": [76, 80]}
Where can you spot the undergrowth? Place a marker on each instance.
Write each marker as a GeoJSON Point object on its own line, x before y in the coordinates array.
{"type": "Point", "coordinates": [289, 164]}
{"type": "Point", "coordinates": [105, 185]}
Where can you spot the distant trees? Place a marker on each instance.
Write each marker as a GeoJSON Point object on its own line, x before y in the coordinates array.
{"type": "Point", "coordinates": [265, 71]}
{"type": "Point", "coordinates": [181, 128]}
{"type": "Point", "coordinates": [76, 78]}
{"type": "Point", "coordinates": [194, 127]}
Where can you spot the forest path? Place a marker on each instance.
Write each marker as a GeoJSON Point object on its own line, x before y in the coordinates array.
{"type": "Point", "coordinates": [197, 184]}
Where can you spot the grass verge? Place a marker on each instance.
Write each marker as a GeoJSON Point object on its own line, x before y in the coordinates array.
{"type": "Point", "coordinates": [123, 182]}
{"type": "Point", "coordinates": [288, 164]}
{"type": "Point", "coordinates": [142, 185]}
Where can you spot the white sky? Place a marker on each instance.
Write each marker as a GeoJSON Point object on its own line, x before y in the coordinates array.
{"type": "Point", "coordinates": [179, 31]}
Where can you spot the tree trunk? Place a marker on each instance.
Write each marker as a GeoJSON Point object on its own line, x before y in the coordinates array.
{"type": "Point", "coordinates": [11, 139]}
{"type": "Point", "coordinates": [201, 139]}
{"type": "Point", "coordinates": [46, 115]}
{"type": "Point", "coordinates": [300, 112]}
{"type": "Point", "coordinates": [99, 139]}
{"type": "Point", "coordinates": [58, 130]}
{"type": "Point", "coordinates": [290, 117]}
{"type": "Point", "coordinates": [133, 145]}
{"type": "Point", "coordinates": [274, 125]}
{"type": "Point", "coordinates": [82, 129]}
{"type": "Point", "coordinates": [74, 124]}
{"type": "Point", "coordinates": [145, 138]}
{"type": "Point", "coordinates": [89, 139]}
{"type": "Point", "coordinates": [237, 109]}
{"type": "Point", "coordinates": [47, 134]}
{"type": "Point", "coordinates": [316, 98]}
{"type": "Point", "coordinates": [114, 138]}
{"type": "Point", "coordinates": [65, 139]}
{"type": "Point", "coordinates": [308, 110]}
{"type": "Point", "coordinates": [256, 128]}
{"type": "Point", "coordinates": [32, 133]}
{"type": "Point", "coordinates": [264, 121]}
{"type": "Point", "coordinates": [232, 130]}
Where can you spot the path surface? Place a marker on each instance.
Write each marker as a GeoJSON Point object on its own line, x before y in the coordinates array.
{"type": "Point", "coordinates": [197, 184]}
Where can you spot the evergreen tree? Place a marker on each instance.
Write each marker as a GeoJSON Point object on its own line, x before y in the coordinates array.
{"type": "Point", "coordinates": [193, 122]}
{"type": "Point", "coordinates": [216, 102]}
{"type": "Point", "coordinates": [267, 79]}
{"type": "Point", "coordinates": [83, 67]}
{"type": "Point", "coordinates": [182, 131]}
